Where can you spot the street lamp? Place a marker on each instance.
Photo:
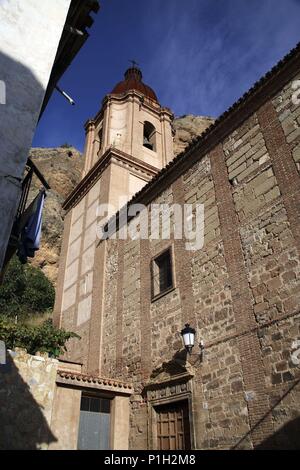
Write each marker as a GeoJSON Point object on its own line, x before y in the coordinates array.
{"type": "Point", "coordinates": [188, 335]}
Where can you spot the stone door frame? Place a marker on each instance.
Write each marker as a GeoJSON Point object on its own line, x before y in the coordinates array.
{"type": "Point", "coordinates": [175, 389]}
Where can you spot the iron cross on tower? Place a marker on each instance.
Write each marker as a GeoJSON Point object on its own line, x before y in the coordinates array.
{"type": "Point", "coordinates": [134, 63]}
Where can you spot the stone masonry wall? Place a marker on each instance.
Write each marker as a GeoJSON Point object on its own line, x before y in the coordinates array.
{"type": "Point", "coordinates": [77, 282]}
{"type": "Point", "coordinates": [241, 291]}
{"type": "Point", "coordinates": [27, 387]}
{"type": "Point", "coordinates": [289, 116]}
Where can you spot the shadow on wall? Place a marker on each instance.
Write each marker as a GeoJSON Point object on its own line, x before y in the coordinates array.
{"type": "Point", "coordinates": [19, 114]}
{"type": "Point", "coordinates": [22, 423]}
{"type": "Point", "coordinates": [286, 438]}
{"type": "Point", "coordinates": [21, 97]}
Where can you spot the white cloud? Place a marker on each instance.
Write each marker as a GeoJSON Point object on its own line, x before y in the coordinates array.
{"type": "Point", "coordinates": [212, 51]}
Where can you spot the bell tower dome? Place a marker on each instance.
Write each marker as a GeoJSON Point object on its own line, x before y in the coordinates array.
{"type": "Point", "coordinates": [133, 81]}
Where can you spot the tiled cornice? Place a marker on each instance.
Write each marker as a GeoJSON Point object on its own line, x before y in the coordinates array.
{"type": "Point", "coordinates": [92, 381]}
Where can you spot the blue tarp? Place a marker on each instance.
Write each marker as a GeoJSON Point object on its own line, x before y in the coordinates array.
{"type": "Point", "coordinates": [31, 233]}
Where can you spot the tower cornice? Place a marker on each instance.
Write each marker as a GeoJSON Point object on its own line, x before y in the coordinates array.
{"type": "Point", "coordinates": [135, 94]}
{"type": "Point", "coordinates": [89, 125]}
{"type": "Point", "coordinates": [137, 97]}
{"type": "Point", "coordinates": [114, 155]}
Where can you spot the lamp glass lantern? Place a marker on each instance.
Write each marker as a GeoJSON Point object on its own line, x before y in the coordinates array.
{"type": "Point", "coordinates": [188, 335]}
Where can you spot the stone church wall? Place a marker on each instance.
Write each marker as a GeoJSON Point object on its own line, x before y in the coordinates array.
{"type": "Point", "coordinates": [240, 291]}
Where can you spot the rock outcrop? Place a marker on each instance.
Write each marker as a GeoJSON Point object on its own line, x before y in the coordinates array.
{"type": "Point", "coordinates": [187, 128]}
{"type": "Point", "coordinates": [62, 168]}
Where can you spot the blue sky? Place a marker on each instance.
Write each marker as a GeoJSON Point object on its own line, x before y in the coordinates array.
{"type": "Point", "coordinates": [199, 56]}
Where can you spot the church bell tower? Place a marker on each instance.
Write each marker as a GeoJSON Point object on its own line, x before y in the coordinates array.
{"type": "Point", "coordinates": [133, 131]}
{"type": "Point", "coordinates": [127, 143]}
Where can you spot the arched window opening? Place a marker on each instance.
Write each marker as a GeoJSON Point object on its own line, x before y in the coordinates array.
{"type": "Point", "coordinates": [98, 141]}
{"type": "Point", "coordinates": [100, 138]}
{"type": "Point", "coordinates": [149, 136]}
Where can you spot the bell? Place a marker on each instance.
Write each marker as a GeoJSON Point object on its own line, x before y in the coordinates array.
{"type": "Point", "coordinates": [147, 144]}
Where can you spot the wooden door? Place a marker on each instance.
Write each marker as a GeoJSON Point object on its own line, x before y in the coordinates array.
{"type": "Point", "coordinates": [173, 427]}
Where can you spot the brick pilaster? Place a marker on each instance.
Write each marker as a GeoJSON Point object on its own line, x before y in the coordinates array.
{"type": "Point", "coordinates": [183, 265]}
{"type": "Point", "coordinates": [145, 302]}
{"type": "Point", "coordinates": [95, 335]}
{"type": "Point", "coordinates": [284, 166]}
{"type": "Point", "coordinates": [249, 346]}
{"type": "Point", "coordinates": [119, 324]}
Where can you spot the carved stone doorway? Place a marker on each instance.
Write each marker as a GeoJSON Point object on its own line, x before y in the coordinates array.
{"type": "Point", "coordinates": [170, 407]}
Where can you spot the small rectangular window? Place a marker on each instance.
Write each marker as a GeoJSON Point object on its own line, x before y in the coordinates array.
{"type": "Point", "coordinates": [162, 273]}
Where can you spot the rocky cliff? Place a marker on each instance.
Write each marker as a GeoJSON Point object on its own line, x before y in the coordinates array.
{"type": "Point", "coordinates": [187, 128]}
{"type": "Point", "coordinates": [62, 169]}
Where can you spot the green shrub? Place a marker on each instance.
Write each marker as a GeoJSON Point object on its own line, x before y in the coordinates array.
{"type": "Point", "coordinates": [43, 338]}
{"type": "Point", "coordinates": [66, 146]}
{"type": "Point", "coordinates": [25, 291]}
